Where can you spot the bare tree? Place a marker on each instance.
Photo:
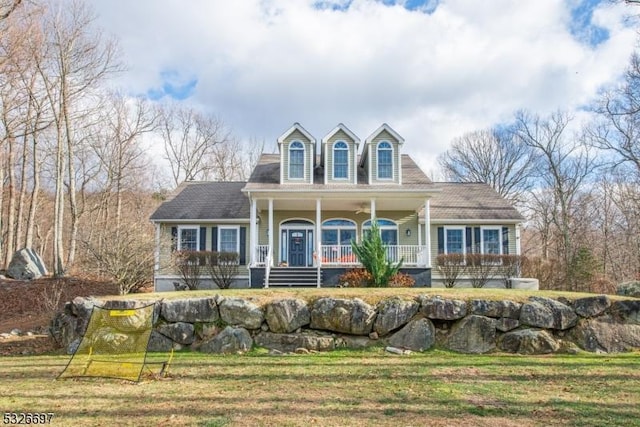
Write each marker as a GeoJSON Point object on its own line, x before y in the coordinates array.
{"type": "Point", "coordinates": [7, 7]}
{"type": "Point", "coordinates": [190, 142]}
{"type": "Point", "coordinates": [495, 157]}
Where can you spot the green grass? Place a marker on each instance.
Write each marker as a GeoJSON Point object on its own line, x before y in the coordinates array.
{"type": "Point", "coordinates": [435, 388]}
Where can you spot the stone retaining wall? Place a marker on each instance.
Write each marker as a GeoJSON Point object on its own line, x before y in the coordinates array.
{"type": "Point", "coordinates": [219, 324]}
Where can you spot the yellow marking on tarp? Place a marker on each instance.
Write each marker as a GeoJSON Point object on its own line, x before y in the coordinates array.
{"type": "Point", "coordinates": [121, 313]}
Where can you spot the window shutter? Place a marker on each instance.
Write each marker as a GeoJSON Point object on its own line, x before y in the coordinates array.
{"type": "Point", "coordinates": [477, 240]}
{"type": "Point", "coordinates": [243, 245]}
{"type": "Point", "coordinates": [505, 240]}
{"type": "Point", "coordinates": [468, 240]}
{"type": "Point", "coordinates": [203, 238]}
{"type": "Point", "coordinates": [174, 239]}
{"type": "Point", "coordinates": [214, 239]}
{"type": "Point", "coordinates": [440, 240]}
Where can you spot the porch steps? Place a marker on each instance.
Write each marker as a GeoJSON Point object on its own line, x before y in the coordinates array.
{"type": "Point", "coordinates": [294, 277]}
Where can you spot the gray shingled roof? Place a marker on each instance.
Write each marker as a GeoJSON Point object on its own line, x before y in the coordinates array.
{"type": "Point", "coordinates": [206, 200]}
{"type": "Point", "coordinates": [475, 201]}
{"type": "Point", "coordinates": [266, 176]}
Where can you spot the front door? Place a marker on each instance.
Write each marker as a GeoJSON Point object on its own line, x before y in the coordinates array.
{"type": "Point", "coordinates": [297, 248]}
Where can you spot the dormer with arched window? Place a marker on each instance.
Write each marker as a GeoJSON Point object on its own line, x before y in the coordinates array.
{"type": "Point", "coordinates": [339, 156]}
{"type": "Point", "coordinates": [297, 156]}
{"type": "Point", "coordinates": [381, 156]}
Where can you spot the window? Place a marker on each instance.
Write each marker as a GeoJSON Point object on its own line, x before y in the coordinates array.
{"type": "Point", "coordinates": [454, 241]}
{"type": "Point", "coordinates": [388, 230]}
{"type": "Point", "coordinates": [385, 160]}
{"type": "Point", "coordinates": [228, 239]}
{"type": "Point", "coordinates": [340, 160]}
{"type": "Point", "coordinates": [338, 232]}
{"type": "Point", "coordinates": [189, 238]}
{"type": "Point", "coordinates": [296, 160]}
{"type": "Point", "coordinates": [491, 241]}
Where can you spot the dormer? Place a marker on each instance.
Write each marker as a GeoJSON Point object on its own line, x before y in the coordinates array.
{"type": "Point", "coordinates": [297, 156]}
{"type": "Point", "coordinates": [381, 156]}
{"type": "Point", "coordinates": [339, 156]}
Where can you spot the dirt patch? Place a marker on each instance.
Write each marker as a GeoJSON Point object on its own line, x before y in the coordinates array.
{"type": "Point", "coordinates": [29, 306]}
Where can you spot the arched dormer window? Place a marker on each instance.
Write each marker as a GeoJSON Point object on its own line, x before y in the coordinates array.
{"type": "Point", "coordinates": [385, 160]}
{"type": "Point", "coordinates": [340, 160]}
{"type": "Point", "coordinates": [296, 160]}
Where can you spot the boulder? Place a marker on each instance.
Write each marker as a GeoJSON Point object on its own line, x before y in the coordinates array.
{"type": "Point", "coordinates": [497, 309]}
{"type": "Point", "coordinates": [506, 324]}
{"type": "Point", "coordinates": [180, 332]}
{"type": "Point", "coordinates": [355, 342]}
{"type": "Point", "coordinates": [444, 309]}
{"type": "Point", "coordinates": [528, 341]}
{"type": "Point", "coordinates": [190, 310]}
{"type": "Point", "coordinates": [349, 316]}
{"type": "Point", "coordinates": [627, 311]}
{"type": "Point", "coordinates": [547, 313]}
{"type": "Point", "coordinates": [108, 340]}
{"type": "Point", "coordinates": [591, 306]}
{"type": "Point", "coordinates": [240, 312]}
{"type": "Point", "coordinates": [26, 264]}
{"type": "Point", "coordinates": [63, 329]}
{"type": "Point", "coordinates": [159, 342]}
{"type": "Point", "coordinates": [473, 334]}
{"type": "Point", "coordinates": [82, 308]}
{"type": "Point", "coordinates": [231, 340]}
{"type": "Point", "coordinates": [417, 335]}
{"type": "Point", "coordinates": [287, 315]}
{"type": "Point", "coordinates": [604, 334]}
{"type": "Point", "coordinates": [289, 343]}
{"type": "Point", "coordinates": [394, 313]}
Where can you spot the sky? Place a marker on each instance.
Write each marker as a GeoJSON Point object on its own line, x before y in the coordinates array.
{"type": "Point", "coordinates": [432, 69]}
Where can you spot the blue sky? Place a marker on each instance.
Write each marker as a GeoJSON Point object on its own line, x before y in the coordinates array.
{"type": "Point", "coordinates": [432, 69]}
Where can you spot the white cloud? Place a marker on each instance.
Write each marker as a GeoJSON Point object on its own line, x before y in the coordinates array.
{"type": "Point", "coordinates": [264, 64]}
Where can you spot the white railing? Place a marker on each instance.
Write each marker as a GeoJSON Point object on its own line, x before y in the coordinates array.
{"type": "Point", "coordinates": [267, 270]}
{"type": "Point", "coordinates": [262, 252]}
{"type": "Point", "coordinates": [412, 255]}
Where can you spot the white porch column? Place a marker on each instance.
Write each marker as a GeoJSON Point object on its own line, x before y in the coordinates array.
{"type": "Point", "coordinates": [518, 249]}
{"type": "Point", "coordinates": [271, 232]}
{"type": "Point", "coordinates": [373, 210]}
{"type": "Point", "coordinates": [318, 256]}
{"type": "Point", "coordinates": [253, 235]}
{"type": "Point", "coordinates": [427, 231]}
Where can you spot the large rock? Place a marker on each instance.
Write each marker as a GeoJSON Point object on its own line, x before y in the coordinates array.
{"type": "Point", "coordinates": [231, 340]}
{"type": "Point", "coordinates": [63, 329]}
{"type": "Point", "coordinates": [473, 334]}
{"type": "Point", "coordinates": [443, 309]}
{"type": "Point", "coordinates": [82, 308]}
{"type": "Point", "coordinates": [606, 335]}
{"type": "Point", "coordinates": [288, 343]}
{"type": "Point", "coordinates": [240, 312]}
{"type": "Point", "coordinates": [190, 310]}
{"type": "Point", "coordinates": [497, 309]}
{"type": "Point", "coordinates": [159, 343]}
{"type": "Point", "coordinates": [349, 316]}
{"type": "Point", "coordinates": [394, 313]}
{"type": "Point", "coordinates": [528, 341]}
{"type": "Point", "coordinates": [547, 313]}
{"type": "Point", "coordinates": [287, 315]}
{"type": "Point", "coordinates": [417, 335]}
{"type": "Point", "coordinates": [180, 332]}
{"type": "Point", "coordinates": [505, 324]}
{"type": "Point", "coordinates": [26, 264]}
{"type": "Point", "coordinates": [108, 340]}
{"type": "Point", "coordinates": [626, 311]}
{"type": "Point", "coordinates": [591, 306]}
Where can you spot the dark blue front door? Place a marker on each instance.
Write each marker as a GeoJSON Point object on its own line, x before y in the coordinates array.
{"type": "Point", "coordinates": [297, 248]}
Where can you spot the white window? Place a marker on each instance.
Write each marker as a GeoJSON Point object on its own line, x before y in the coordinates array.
{"type": "Point", "coordinates": [296, 160]}
{"type": "Point", "coordinates": [188, 238]}
{"type": "Point", "coordinates": [491, 244]}
{"type": "Point", "coordinates": [228, 240]}
{"type": "Point", "coordinates": [454, 240]}
{"type": "Point", "coordinates": [385, 160]}
{"type": "Point", "coordinates": [340, 160]}
{"type": "Point", "coordinates": [338, 232]}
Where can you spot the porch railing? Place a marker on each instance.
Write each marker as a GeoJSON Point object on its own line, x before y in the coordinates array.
{"type": "Point", "coordinates": [262, 253]}
{"type": "Point", "coordinates": [412, 255]}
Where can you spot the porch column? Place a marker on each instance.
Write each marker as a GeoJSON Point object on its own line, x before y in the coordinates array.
{"type": "Point", "coordinates": [518, 249]}
{"type": "Point", "coordinates": [427, 232]}
{"type": "Point", "coordinates": [253, 235]}
{"type": "Point", "coordinates": [318, 256]}
{"type": "Point", "coordinates": [271, 232]}
{"type": "Point", "coordinates": [373, 210]}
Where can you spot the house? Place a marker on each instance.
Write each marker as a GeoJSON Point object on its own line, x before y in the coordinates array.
{"type": "Point", "coordinates": [293, 220]}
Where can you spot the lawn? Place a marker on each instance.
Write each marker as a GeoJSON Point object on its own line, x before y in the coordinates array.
{"type": "Point", "coordinates": [371, 387]}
